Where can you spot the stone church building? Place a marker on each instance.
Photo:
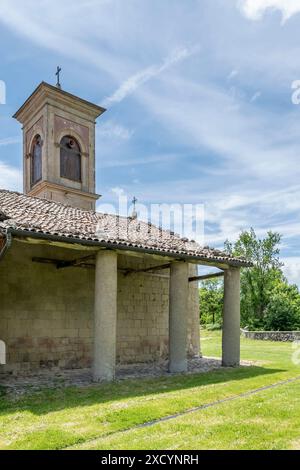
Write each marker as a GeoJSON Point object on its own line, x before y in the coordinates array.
{"type": "Point", "coordinates": [81, 289]}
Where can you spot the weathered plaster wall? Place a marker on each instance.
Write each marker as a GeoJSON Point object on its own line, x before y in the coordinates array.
{"type": "Point", "coordinates": [46, 315]}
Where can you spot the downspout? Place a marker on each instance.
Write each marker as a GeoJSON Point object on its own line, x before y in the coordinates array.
{"type": "Point", "coordinates": [7, 245]}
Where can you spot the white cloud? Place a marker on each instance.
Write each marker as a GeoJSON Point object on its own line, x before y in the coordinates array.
{"type": "Point", "coordinates": [112, 130]}
{"type": "Point", "coordinates": [64, 37]}
{"type": "Point", "coordinates": [10, 141]}
{"type": "Point", "coordinates": [138, 79]}
{"type": "Point", "coordinates": [232, 74]}
{"type": "Point", "coordinates": [291, 269]}
{"type": "Point", "coordinates": [252, 142]}
{"type": "Point", "coordinates": [255, 97]}
{"type": "Point", "coordinates": [83, 24]}
{"type": "Point", "coordinates": [10, 177]}
{"type": "Point", "coordinates": [137, 160]}
{"type": "Point", "coordinates": [255, 9]}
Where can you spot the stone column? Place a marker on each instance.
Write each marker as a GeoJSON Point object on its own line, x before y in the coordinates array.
{"type": "Point", "coordinates": [194, 349]}
{"type": "Point", "coordinates": [179, 292]}
{"type": "Point", "coordinates": [105, 316]}
{"type": "Point", "coordinates": [231, 318]}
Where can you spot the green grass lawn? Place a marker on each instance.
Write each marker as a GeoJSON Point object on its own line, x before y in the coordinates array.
{"type": "Point", "coordinates": [106, 416]}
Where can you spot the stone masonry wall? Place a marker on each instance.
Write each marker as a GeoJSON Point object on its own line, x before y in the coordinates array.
{"type": "Point", "coordinates": [284, 336]}
{"type": "Point", "coordinates": [46, 315]}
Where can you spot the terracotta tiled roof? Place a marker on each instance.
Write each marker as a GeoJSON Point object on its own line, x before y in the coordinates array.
{"type": "Point", "coordinates": [43, 217]}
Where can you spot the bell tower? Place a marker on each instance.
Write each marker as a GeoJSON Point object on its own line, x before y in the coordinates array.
{"type": "Point", "coordinates": [59, 146]}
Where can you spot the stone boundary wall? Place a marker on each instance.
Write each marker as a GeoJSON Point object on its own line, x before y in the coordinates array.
{"type": "Point", "coordinates": [283, 336]}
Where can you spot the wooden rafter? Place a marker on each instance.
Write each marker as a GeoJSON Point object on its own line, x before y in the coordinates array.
{"type": "Point", "coordinates": [145, 270]}
{"type": "Point", "coordinates": [205, 277]}
{"type": "Point", "coordinates": [60, 264]}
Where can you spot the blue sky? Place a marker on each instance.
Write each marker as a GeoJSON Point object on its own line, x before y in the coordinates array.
{"type": "Point", "coordinates": [198, 95]}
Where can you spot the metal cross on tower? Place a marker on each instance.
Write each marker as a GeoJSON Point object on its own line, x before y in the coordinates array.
{"type": "Point", "coordinates": [58, 77]}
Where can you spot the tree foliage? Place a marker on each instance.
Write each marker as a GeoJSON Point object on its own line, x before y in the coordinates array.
{"type": "Point", "coordinates": [283, 310]}
{"type": "Point", "coordinates": [211, 302]}
{"type": "Point", "coordinates": [258, 281]}
{"type": "Point", "coordinates": [267, 300]}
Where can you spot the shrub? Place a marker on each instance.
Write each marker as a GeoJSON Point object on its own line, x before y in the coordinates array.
{"type": "Point", "coordinates": [283, 310]}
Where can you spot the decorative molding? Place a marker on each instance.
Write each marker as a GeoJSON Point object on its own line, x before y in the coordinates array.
{"type": "Point", "coordinates": [46, 185]}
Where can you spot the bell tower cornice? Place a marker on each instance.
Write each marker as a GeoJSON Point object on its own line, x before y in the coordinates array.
{"type": "Point", "coordinates": [48, 94]}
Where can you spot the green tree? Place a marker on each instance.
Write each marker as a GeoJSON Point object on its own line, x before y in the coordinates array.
{"type": "Point", "coordinates": [211, 301]}
{"type": "Point", "coordinates": [283, 310]}
{"type": "Point", "coordinates": [267, 300]}
{"type": "Point", "coordinates": [257, 282]}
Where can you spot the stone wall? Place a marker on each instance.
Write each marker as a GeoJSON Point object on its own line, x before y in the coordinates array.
{"type": "Point", "coordinates": [284, 336]}
{"type": "Point", "coordinates": [46, 314]}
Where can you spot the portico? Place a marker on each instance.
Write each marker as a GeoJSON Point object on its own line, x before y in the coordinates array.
{"type": "Point", "coordinates": [91, 306]}
{"type": "Point", "coordinates": [105, 316]}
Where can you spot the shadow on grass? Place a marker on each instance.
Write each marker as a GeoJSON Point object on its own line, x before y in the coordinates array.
{"type": "Point", "coordinates": [48, 400]}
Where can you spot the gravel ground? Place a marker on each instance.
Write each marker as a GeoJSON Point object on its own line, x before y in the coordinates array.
{"type": "Point", "coordinates": [21, 384]}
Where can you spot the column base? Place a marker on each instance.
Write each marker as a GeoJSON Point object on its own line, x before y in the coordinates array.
{"type": "Point", "coordinates": [230, 363]}
{"type": "Point", "coordinates": [103, 379]}
{"type": "Point", "coordinates": [178, 367]}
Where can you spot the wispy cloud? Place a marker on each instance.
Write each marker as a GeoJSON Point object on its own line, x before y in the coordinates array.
{"type": "Point", "coordinates": [255, 96]}
{"type": "Point", "coordinates": [64, 37]}
{"type": "Point", "coordinates": [137, 161]}
{"type": "Point", "coordinates": [10, 141]}
{"type": "Point", "coordinates": [10, 177]}
{"type": "Point", "coordinates": [291, 269]}
{"type": "Point", "coordinates": [113, 130]}
{"type": "Point", "coordinates": [245, 138]}
{"type": "Point", "coordinates": [71, 41]}
{"type": "Point", "coordinates": [138, 79]}
{"type": "Point", "coordinates": [255, 9]}
{"type": "Point", "coordinates": [232, 74]}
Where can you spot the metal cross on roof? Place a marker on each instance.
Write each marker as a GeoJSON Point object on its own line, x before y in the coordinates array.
{"type": "Point", "coordinates": [134, 201]}
{"type": "Point", "coordinates": [58, 77]}
{"type": "Point", "coordinates": [134, 213]}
